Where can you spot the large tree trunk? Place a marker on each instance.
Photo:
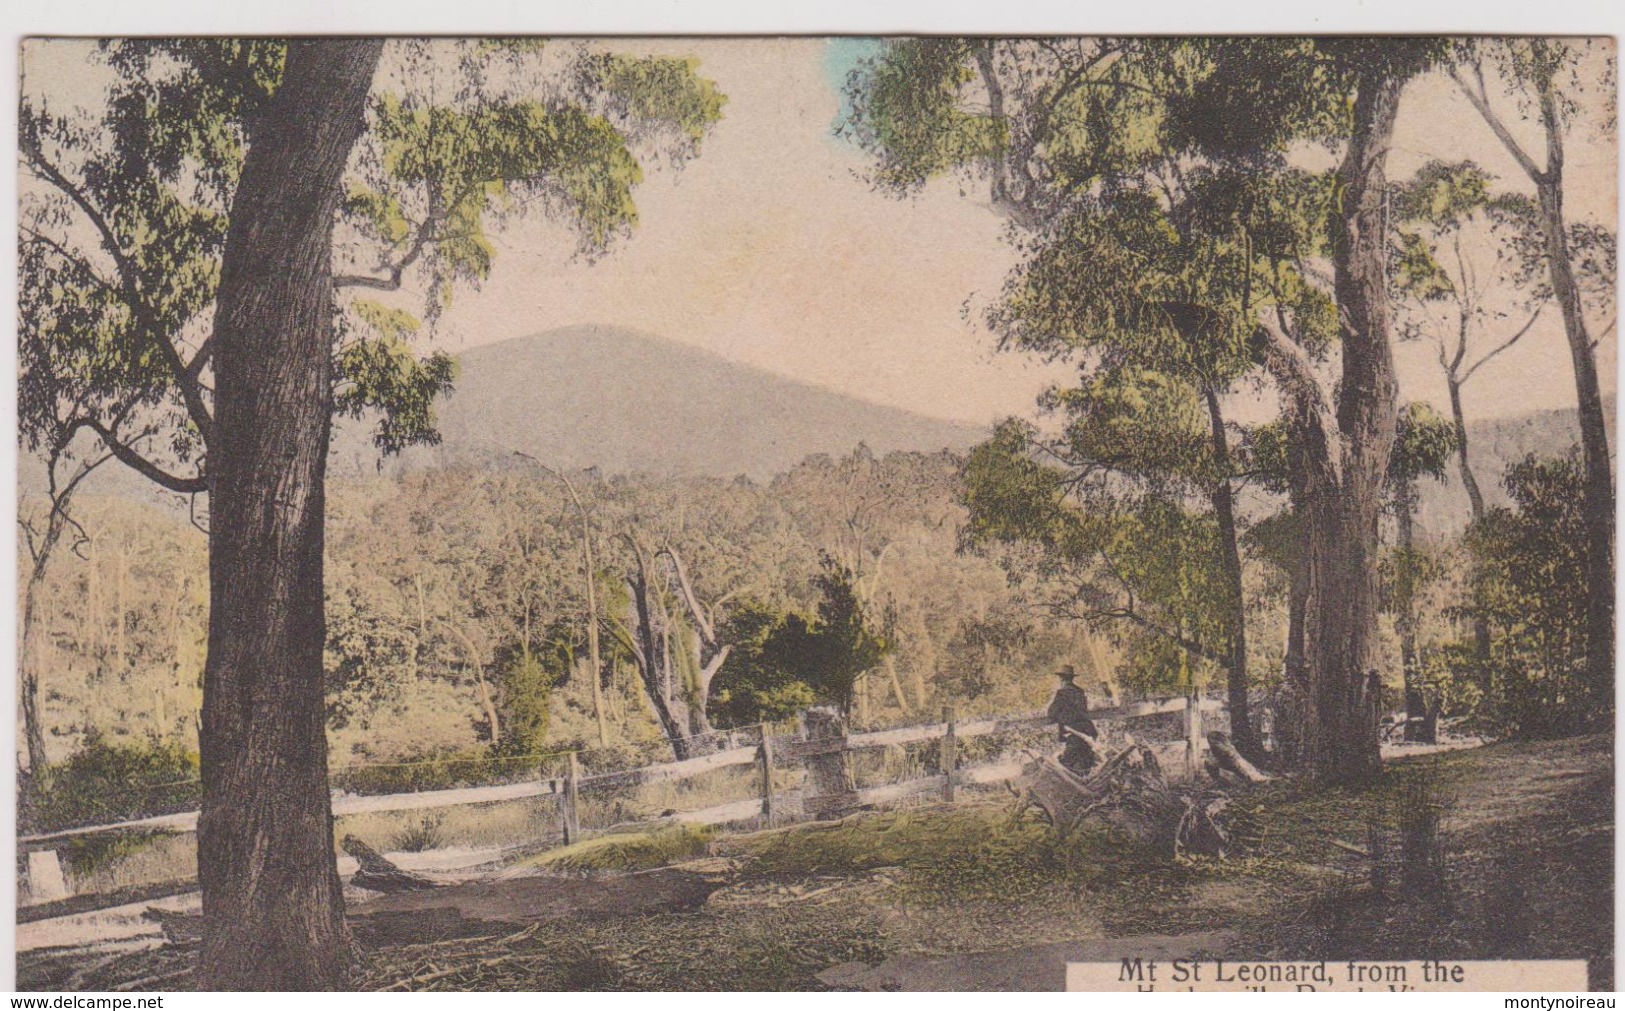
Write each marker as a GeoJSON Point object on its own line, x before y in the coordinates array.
{"type": "Point", "coordinates": [1242, 731]}
{"type": "Point", "coordinates": [1346, 460]}
{"type": "Point", "coordinates": [1290, 733]}
{"type": "Point", "coordinates": [272, 907]}
{"type": "Point", "coordinates": [1599, 479]}
{"type": "Point", "coordinates": [31, 654]}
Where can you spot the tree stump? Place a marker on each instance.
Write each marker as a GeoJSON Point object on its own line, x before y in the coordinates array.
{"type": "Point", "coordinates": [1128, 791]}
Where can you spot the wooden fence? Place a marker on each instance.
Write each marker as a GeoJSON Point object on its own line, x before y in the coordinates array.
{"type": "Point", "coordinates": [823, 747]}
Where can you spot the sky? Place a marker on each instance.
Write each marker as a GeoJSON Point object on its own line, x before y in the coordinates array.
{"type": "Point", "coordinates": [770, 249]}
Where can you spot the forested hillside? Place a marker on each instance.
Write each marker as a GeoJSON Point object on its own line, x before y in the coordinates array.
{"type": "Point", "coordinates": [441, 583]}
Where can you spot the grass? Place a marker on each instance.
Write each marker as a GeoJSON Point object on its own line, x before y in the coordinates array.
{"type": "Point", "coordinates": [1525, 853]}
{"type": "Point", "coordinates": [111, 864]}
{"type": "Point", "coordinates": [422, 835]}
{"type": "Point", "coordinates": [628, 851]}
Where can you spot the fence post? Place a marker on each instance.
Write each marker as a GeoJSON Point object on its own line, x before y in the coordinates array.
{"type": "Point", "coordinates": [950, 754]}
{"type": "Point", "coordinates": [572, 814]}
{"type": "Point", "coordinates": [1193, 735]}
{"type": "Point", "coordinates": [764, 758]}
{"type": "Point", "coordinates": [828, 791]}
{"type": "Point", "coordinates": [45, 880]}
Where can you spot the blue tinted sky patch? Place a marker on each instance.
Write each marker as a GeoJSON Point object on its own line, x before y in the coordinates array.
{"type": "Point", "coordinates": [841, 57]}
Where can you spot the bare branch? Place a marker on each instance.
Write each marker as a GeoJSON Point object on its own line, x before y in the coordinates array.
{"type": "Point", "coordinates": [1503, 345]}
{"type": "Point", "coordinates": [425, 235]}
{"type": "Point", "coordinates": [140, 464]}
{"type": "Point", "coordinates": [702, 621]}
{"type": "Point", "coordinates": [1480, 100]}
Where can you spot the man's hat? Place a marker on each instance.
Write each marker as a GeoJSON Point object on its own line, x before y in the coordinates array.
{"type": "Point", "coordinates": [1066, 672]}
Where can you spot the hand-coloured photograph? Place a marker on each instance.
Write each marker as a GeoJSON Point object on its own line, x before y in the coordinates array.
{"type": "Point", "coordinates": [816, 513]}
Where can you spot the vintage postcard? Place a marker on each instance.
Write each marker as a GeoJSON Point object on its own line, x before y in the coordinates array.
{"type": "Point", "coordinates": [801, 513]}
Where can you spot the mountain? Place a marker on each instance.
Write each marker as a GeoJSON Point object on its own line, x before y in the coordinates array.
{"type": "Point", "coordinates": [1492, 445]}
{"type": "Point", "coordinates": [629, 402]}
{"type": "Point", "coordinates": [625, 402]}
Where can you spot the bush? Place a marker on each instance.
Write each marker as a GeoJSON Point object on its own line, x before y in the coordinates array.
{"type": "Point", "coordinates": [421, 836]}
{"type": "Point", "coordinates": [106, 782]}
{"type": "Point", "coordinates": [433, 770]}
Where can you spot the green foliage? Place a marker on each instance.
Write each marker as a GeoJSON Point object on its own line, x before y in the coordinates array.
{"type": "Point", "coordinates": [844, 644]}
{"type": "Point", "coordinates": [527, 688]}
{"type": "Point", "coordinates": [368, 657]}
{"type": "Point", "coordinates": [1529, 581]}
{"type": "Point", "coordinates": [1139, 563]}
{"type": "Point", "coordinates": [126, 210]}
{"type": "Point", "coordinates": [785, 661]}
{"type": "Point", "coordinates": [1246, 98]}
{"type": "Point", "coordinates": [1444, 195]}
{"type": "Point", "coordinates": [759, 683]}
{"type": "Point", "coordinates": [468, 164]}
{"type": "Point", "coordinates": [437, 769]}
{"type": "Point", "coordinates": [377, 371]}
{"type": "Point", "coordinates": [908, 110]}
{"type": "Point", "coordinates": [105, 782]}
{"type": "Point", "coordinates": [1424, 444]}
{"type": "Point", "coordinates": [654, 94]}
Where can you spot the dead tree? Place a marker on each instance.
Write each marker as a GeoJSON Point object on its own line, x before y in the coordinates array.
{"type": "Point", "coordinates": [647, 636]}
{"type": "Point", "coordinates": [707, 651]}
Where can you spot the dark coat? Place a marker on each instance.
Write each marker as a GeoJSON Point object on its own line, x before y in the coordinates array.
{"type": "Point", "coordinates": [1070, 709]}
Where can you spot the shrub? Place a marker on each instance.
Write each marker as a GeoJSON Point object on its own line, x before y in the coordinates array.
{"type": "Point", "coordinates": [421, 836]}
{"type": "Point", "coordinates": [107, 782]}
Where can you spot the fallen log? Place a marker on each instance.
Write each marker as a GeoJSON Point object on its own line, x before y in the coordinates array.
{"type": "Point", "coordinates": [378, 874]}
{"type": "Point", "coordinates": [1225, 755]}
{"type": "Point", "coordinates": [179, 928]}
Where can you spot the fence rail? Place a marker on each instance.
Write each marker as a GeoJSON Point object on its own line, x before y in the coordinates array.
{"type": "Point", "coordinates": [825, 749]}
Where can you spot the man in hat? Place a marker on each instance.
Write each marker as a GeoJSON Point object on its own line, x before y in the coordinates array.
{"type": "Point", "coordinates": [1070, 710]}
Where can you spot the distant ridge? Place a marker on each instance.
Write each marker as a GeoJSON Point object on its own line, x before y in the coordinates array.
{"type": "Point", "coordinates": [1492, 445]}
{"type": "Point", "coordinates": [629, 402]}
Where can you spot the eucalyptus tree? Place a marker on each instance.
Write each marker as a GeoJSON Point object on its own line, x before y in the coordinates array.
{"type": "Point", "coordinates": [1423, 446]}
{"type": "Point", "coordinates": [1057, 127]}
{"type": "Point", "coordinates": [1443, 213]}
{"type": "Point", "coordinates": [195, 213]}
{"type": "Point", "coordinates": [1143, 264]}
{"type": "Point", "coordinates": [1446, 214]}
{"type": "Point", "coordinates": [1549, 78]}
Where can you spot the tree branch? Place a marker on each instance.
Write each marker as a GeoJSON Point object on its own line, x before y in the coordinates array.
{"type": "Point", "coordinates": [1019, 209]}
{"type": "Point", "coordinates": [71, 257]}
{"type": "Point", "coordinates": [1480, 100]}
{"type": "Point", "coordinates": [393, 282]}
{"type": "Point", "coordinates": [701, 621]}
{"type": "Point", "coordinates": [1286, 361]}
{"type": "Point", "coordinates": [1503, 346]}
{"type": "Point", "coordinates": [1128, 613]}
{"type": "Point", "coordinates": [191, 392]}
{"type": "Point", "coordinates": [140, 464]}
